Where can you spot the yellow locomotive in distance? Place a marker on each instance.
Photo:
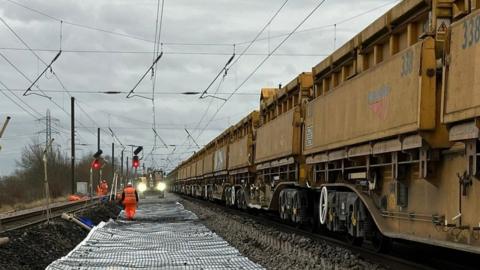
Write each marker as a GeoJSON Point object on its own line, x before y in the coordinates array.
{"type": "Point", "coordinates": [152, 184]}
{"type": "Point", "coordinates": [380, 141]}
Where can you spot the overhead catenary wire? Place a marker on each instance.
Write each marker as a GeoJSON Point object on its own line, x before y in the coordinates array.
{"type": "Point", "coordinates": [224, 71]}
{"type": "Point", "coordinates": [212, 44]}
{"type": "Point", "coordinates": [190, 136]}
{"type": "Point", "coordinates": [16, 103]}
{"type": "Point", "coordinates": [158, 35]}
{"type": "Point", "coordinates": [173, 127]}
{"type": "Point", "coordinates": [89, 27]}
{"type": "Point", "coordinates": [20, 100]}
{"type": "Point", "coordinates": [160, 138]}
{"type": "Point", "coordinates": [131, 93]}
{"type": "Point", "coordinates": [41, 60]}
{"type": "Point", "coordinates": [229, 63]}
{"type": "Point", "coordinates": [28, 79]}
{"type": "Point", "coordinates": [136, 120]}
{"type": "Point", "coordinates": [33, 52]}
{"type": "Point", "coordinates": [250, 75]}
{"type": "Point", "coordinates": [115, 137]}
{"type": "Point", "coordinates": [169, 52]}
{"type": "Point", "coordinates": [77, 102]}
{"type": "Point", "coordinates": [49, 66]}
{"type": "Point", "coordinates": [114, 92]}
{"type": "Point", "coordinates": [287, 36]}
{"type": "Point", "coordinates": [322, 27]}
{"type": "Point", "coordinates": [156, 49]}
{"type": "Point", "coordinates": [270, 20]}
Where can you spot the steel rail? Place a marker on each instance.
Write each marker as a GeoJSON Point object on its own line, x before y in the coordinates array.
{"type": "Point", "coordinates": [29, 217]}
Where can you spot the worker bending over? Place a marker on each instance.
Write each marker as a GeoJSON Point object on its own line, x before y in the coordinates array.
{"type": "Point", "coordinates": [129, 201]}
{"type": "Point", "coordinates": [102, 188]}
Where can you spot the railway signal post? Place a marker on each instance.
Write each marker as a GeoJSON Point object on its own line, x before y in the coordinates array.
{"type": "Point", "coordinates": [96, 165]}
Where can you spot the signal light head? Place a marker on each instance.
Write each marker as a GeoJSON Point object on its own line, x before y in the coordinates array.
{"type": "Point", "coordinates": [96, 164]}
{"type": "Point", "coordinates": [135, 162]}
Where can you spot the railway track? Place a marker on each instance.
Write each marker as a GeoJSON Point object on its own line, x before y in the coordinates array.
{"type": "Point", "coordinates": [405, 255]}
{"type": "Point", "coordinates": [25, 218]}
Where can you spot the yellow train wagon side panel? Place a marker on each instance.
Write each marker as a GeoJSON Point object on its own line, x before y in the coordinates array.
{"type": "Point", "coordinates": [191, 169]}
{"type": "Point", "coordinates": [184, 172]}
{"type": "Point", "coordinates": [180, 173]}
{"type": "Point", "coordinates": [461, 97]}
{"type": "Point", "coordinates": [220, 159]}
{"type": "Point", "coordinates": [239, 154]}
{"type": "Point", "coordinates": [277, 138]}
{"type": "Point", "coordinates": [187, 171]}
{"type": "Point", "coordinates": [397, 96]}
{"type": "Point", "coordinates": [208, 163]}
{"type": "Point", "coordinates": [199, 167]}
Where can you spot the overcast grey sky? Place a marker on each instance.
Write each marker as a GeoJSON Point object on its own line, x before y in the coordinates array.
{"type": "Point", "coordinates": [95, 60]}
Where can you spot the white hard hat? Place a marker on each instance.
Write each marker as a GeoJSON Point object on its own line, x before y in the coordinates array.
{"type": "Point", "coordinates": [129, 184]}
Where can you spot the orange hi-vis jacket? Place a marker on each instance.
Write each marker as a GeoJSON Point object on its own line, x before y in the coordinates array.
{"type": "Point", "coordinates": [104, 188]}
{"type": "Point", "coordinates": [130, 196]}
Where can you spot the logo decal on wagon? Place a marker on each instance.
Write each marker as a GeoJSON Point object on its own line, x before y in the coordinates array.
{"type": "Point", "coordinates": [378, 101]}
{"type": "Point", "coordinates": [309, 136]}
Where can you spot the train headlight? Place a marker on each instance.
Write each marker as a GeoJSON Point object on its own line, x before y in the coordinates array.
{"type": "Point", "coordinates": [161, 186]}
{"type": "Point", "coordinates": [141, 187]}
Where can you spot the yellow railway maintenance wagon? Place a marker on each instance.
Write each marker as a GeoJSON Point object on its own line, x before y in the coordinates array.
{"type": "Point", "coordinates": [278, 160]}
{"type": "Point", "coordinates": [200, 188]}
{"type": "Point", "coordinates": [209, 179]}
{"type": "Point", "coordinates": [241, 168]}
{"type": "Point", "coordinates": [220, 179]}
{"type": "Point", "coordinates": [458, 183]}
{"type": "Point", "coordinates": [376, 134]}
{"type": "Point", "coordinates": [381, 140]}
{"type": "Point", "coordinates": [191, 175]}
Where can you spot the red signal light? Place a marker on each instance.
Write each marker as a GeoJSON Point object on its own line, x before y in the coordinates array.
{"type": "Point", "coordinates": [135, 162]}
{"type": "Point", "coordinates": [96, 164]}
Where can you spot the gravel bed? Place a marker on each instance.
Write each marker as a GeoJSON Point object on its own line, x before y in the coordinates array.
{"type": "Point", "coordinates": [37, 246]}
{"type": "Point", "coordinates": [274, 249]}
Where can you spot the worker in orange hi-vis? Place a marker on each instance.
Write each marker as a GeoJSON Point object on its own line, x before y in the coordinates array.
{"type": "Point", "coordinates": [129, 201]}
{"type": "Point", "coordinates": [99, 190]}
{"type": "Point", "coordinates": [104, 187]}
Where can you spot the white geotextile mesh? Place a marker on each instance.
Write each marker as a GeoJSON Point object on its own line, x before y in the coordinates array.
{"type": "Point", "coordinates": [163, 236]}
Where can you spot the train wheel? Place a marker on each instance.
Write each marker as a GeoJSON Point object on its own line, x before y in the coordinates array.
{"type": "Point", "coordinates": [233, 197]}
{"type": "Point", "coordinates": [353, 227]}
{"type": "Point", "coordinates": [240, 199]}
{"type": "Point", "coordinates": [227, 196]}
{"type": "Point", "coordinates": [296, 208]}
{"type": "Point", "coordinates": [380, 242]}
{"type": "Point", "coordinates": [323, 206]}
{"type": "Point", "coordinates": [281, 209]}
